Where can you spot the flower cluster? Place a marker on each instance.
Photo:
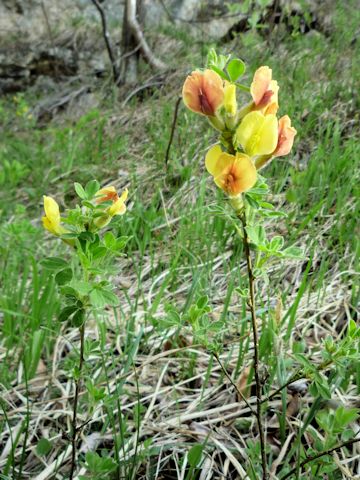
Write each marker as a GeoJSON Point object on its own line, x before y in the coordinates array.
{"type": "Point", "coordinates": [98, 210]}
{"type": "Point", "coordinates": [250, 136]}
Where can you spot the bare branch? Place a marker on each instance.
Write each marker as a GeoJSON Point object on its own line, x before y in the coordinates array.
{"type": "Point", "coordinates": [134, 26]}
{"type": "Point", "coordinates": [107, 40]}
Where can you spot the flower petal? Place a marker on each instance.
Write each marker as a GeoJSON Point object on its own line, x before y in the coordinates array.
{"type": "Point", "coordinates": [257, 133]}
{"type": "Point", "coordinates": [238, 174]}
{"type": "Point", "coordinates": [260, 84]}
{"type": "Point", "coordinates": [273, 106]}
{"type": "Point", "coordinates": [203, 92]}
{"type": "Point", "coordinates": [230, 104]}
{"type": "Point", "coordinates": [211, 159]}
{"type": "Point", "coordinates": [268, 135]}
{"type": "Point", "coordinates": [52, 210]}
{"type": "Point", "coordinates": [285, 137]}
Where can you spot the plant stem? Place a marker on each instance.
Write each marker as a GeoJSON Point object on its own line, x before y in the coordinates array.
{"type": "Point", "coordinates": [75, 429]}
{"type": "Point", "coordinates": [256, 344]}
{"type": "Point", "coordinates": [319, 455]}
{"type": "Point", "coordinates": [234, 384]}
{"type": "Point", "coordinates": [296, 376]}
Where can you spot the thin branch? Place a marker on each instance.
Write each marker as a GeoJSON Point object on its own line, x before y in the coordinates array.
{"type": "Point", "coordinates": [139, 36]}
{"type": "Point", "coordinates": [256, 345]}
{"type": "Point", "coordinates": [294, 378]}
{"type": "Point", "coordinates": [106, 36]}
{"type": "Point", "coordinates": [176, 111]}
{"type": "Point", "coordinates": [75, 429]}
{"type": "Point", "coordinates": [319, 455]}
{"type": "Point", "coordinates": [234, 384]}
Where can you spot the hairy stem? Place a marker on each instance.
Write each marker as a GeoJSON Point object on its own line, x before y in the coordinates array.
{"type": "Point", "coordinates": [256, 344]}
{"type": "Point", "coordinates": [74, 428]}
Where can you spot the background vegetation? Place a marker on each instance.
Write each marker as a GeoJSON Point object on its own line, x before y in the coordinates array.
{"type": "Point", "coordinates": [153, 402]}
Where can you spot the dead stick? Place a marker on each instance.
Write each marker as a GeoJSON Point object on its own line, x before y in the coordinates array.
{"type": "Point", "coordinates": [107, 40]}
{"type": "Point", "coordinates": [177, 104]}
{"type": "Point", "coordinates": [139, 36]}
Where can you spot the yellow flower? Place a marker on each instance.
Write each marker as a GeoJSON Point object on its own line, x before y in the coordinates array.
{"type": "Point", "coordinates": [52, 219]}
{"type": "Point", "coordinates": [232, 173]}
{"type": "Point", "coordinates": [118, 206]}
{"type": "Point", "coordinates": [264, 91]}
{"type": "Point", "coordinates": [286, 136]}
{"type": "Point", "coordinates": [230, 104]}
{"type": "Point", "coordinates": [257, 133]}
{"type": "Point", "coordinates": [203, 92]}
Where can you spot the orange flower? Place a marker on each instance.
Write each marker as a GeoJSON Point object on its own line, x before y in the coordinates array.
{"type": "Point", "coordinates": [264, 91]}
{"type": "Point", "coordinates": [286, 134]}
{"type": "Point", "coordinates": [203, 92]}
{"type": "Point", "coordinates": [232, 173]}
{"type": "Point", "coordinates": [109, 194]}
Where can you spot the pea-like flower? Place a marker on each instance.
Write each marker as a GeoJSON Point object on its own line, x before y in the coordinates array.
{"type": "Point", "coordinates": [257, 133]}
{"type": "Point", "coordinates": [203, 92]}
{"type": "Point", "coordinates": [285, 140]}
{"type": "Point", "coordinates": [234, 174]}
{"type": "Point", "coordinates": [117, 206]}
{"type": "Point", "coordinates": [52, 220]}
{"type": "Point", "coordinates": [264, 91]}
{"type": "Point", "coordinates": [286, 134]}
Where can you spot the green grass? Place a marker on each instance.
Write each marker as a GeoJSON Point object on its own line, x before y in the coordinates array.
{"type": "Point", "coordinates": [180, 249]}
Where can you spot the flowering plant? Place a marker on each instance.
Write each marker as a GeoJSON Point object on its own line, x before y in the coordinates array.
{"type": "Point", "coordinates": [83, 280]}
{"type": "Point", "coordinates": [249, 138]}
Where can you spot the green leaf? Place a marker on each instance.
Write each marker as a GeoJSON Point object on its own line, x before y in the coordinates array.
{"type": "Point", "coordinates": [344, 416]}
{"type": "Point", "coordinates": [78, 318]}
{"type": "Point", "coordinates": [220, 72]}
{"type": "Point", "coordinates": [88, 204]}
{"type": "Point", "coordinates": [54, 263]}
{"type": "Point", "coordinates": [69, 292]}
{"type": "Point", "coordinates": [323, 388]}
{"type": "Point", "coordinates": [66, 312]}
{"type": "Point", "coordinates": [87, 236]}
{"type": "Point", "coordinates": [99, 252]}
{"type": "Point", "coordinates": [195, 455]}
{"type": "Point", "coordinates": [99, 465]}
{"type": "Point", "coordinates": [293, 252]}
{"type": "Point", "coordinates": [347, 434]}
{"type": "Point", "coordinates": [202, 302]}
{"type": "Point", "coordinates": [251, 201]}
{"type": "Point", "coordinates": [212, 58]}
{"type": "Point", "coordinates": [101, 297]}
{"type": "Point", "coordinates": [64, 276]}
{"type": "Point", "coordinates": [215, 326]}
{"type": "Point", "coordinates": [109, 240]}
{"type": "Point", "coordinates": [43, 447]}
{"type": "Point", "coordinates": [236, 68]}
{"type": "Point", "coordinates": [276, 243]}
{"type": "Point", "coordinates": [80, 191]}
{"type": "Point", "coordinates": [81, 287]}
{"type": "Point", "coordinates": [91, 188]}
{"type": "Point", "coordinates": [256, 234]}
